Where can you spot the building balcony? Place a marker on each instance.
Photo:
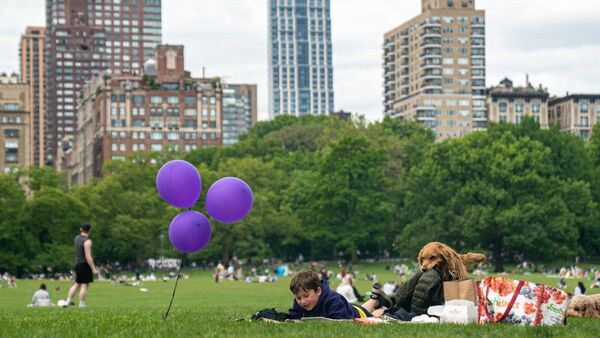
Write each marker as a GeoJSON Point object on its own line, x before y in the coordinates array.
{"type": "Point", "coordinates": [474, 66]}
{"type": "Point", "coordinates": [430, 65]}
{"type": "Point", "coordinates": [431, 35]}
{"type": "Point", "coordinates": [478, 56]}
{"type": "Point", "coordinates": [431, 24]}
{"type": "Point", "coordinates": [432, 77]}
{"type": "Point", "coordinates": [430, 56]}
{"type": "Point", "coordinates": [425, 117]}
{"type": "Point", "coordinates": [431, 45]}
{"type": "Point", "coordinates": [477, 24]}
{"type": "Point", "coordinates": [432, 87]}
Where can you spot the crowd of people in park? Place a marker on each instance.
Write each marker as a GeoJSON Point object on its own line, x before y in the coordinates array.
{"type": "Point", "coordinates": [270, 271]}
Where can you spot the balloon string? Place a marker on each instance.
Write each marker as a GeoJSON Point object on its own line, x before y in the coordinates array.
{"type": "Point", "coordinates": [166, 316]}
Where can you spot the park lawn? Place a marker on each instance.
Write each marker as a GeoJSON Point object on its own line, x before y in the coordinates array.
{"type": "Point", "coordinates": [205, 308]}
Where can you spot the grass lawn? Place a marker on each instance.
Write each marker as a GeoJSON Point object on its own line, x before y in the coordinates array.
{"type": "Point", "coordinates": [205, 308]}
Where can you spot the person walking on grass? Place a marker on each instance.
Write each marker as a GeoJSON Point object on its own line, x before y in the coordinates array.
{"type": "Point", "coordinates": [85, 269]}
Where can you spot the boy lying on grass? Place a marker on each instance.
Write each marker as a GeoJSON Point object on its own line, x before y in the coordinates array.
{"type": "Point", "coordinates": [314, 298]}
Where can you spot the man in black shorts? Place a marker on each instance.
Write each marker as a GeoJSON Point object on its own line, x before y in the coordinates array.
{"type": "Point", "coordinates": [85, 269]}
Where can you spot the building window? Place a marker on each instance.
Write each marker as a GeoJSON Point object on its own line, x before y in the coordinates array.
{"type": "Point", "coordinates": [450, 3]}
{"type": "Point", "coordinates": [138, 99]}
{"type": "Point", "coordinates": [11, 106]}
{"type": "Point", "coordinates": [535, 107]}
{"type": "Point", "coordinates": [173, 136]}
{"type": "Point", "coordinates": [583, 121]}
{"type": "Point", "coordinates": [156, 99]}
{"type": "Point", "coordinates": [519, 107]}
{"type": "Point", "coordinates": [173, 100]}
{"type": "Point", "coordinates": [583, 108]}
{"type": "Point", "coordinates": [12, 133]}
{"type": "Point", "coordinates": [190, 100]}
{"type": "Point", "coordinates": [585, 134]}
{"type": "Point", "coordinates": [502, 107]}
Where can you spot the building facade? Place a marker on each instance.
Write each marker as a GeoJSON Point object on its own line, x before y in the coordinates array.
{"type": "Point", "coordinates": [15, 141]}
{"type": "Point", "coordinates": [32, 67]}
{"type": "Point", "coordinates": [239, 111]}
{"type": "Point", "coordinates": [85, 38]}
{"type": "Point", "coordinates": [434, 68]}
{"type": "Point", "coordinates": [300, 58]}
{"type": "Point", "coordinates": [507, 103]}
{"type": "Point", "coordinates": [165, 109]}
{"type": "Point", "coordinates": [575, 113]}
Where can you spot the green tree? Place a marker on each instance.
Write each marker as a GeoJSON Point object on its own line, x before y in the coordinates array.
{"type": "Point", "coordinates": [495, 192]}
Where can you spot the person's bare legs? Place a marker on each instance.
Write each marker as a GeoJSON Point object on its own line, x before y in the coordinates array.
{"type": "Point", "coordinates": [73, 291]}
{"type": "Point", "coordinates": [371, 306]}
{"type": "Point", "coordinates": [82, 294]}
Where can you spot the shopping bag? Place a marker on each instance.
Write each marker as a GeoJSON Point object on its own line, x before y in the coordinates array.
{"type": "Point", "coordinates": [460, 289]}
{"type": "Point", "coordinates": [504, 300]}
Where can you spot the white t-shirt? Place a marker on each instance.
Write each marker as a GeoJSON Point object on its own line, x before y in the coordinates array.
{"type": "Point", "coordinates": [40, 298]}
{"type": "Point", "coordinates": [347, 291]}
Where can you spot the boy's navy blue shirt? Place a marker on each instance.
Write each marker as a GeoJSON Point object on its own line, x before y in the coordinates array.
{"type": "Point", "coordinates": [330, 305]}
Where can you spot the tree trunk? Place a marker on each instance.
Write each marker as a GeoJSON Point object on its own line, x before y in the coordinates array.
{"type": "Point", "coordinates": [354, 258]}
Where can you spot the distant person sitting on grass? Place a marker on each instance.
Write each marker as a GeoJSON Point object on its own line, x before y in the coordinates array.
{"type": "Point", "coordinates": [41, 297]}
{"type": "Point", "coordinates": [313, 298]}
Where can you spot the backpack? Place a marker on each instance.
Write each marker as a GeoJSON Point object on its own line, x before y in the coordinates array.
{"type": "Point", "coordinates": [271, 314]}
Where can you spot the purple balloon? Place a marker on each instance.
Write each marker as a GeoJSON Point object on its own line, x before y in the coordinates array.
{"type": "Point", "coordinates": [179, 183]}
{"type": "Point", "coordinates": [229, 200]}
{"type": "Point", "coordinates": [189, 231]}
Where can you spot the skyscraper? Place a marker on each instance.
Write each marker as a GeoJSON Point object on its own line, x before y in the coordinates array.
{"type": "Point", "coordinates": [300, 63]}
{"type": "Point", "coordinates": [31, 59]}
{"type": "Point", "coordinates": [239, 111]}
{"type": "Point", "coordinates": [84, 38]}
{"type": "Point", "coordinates": [434, 68]}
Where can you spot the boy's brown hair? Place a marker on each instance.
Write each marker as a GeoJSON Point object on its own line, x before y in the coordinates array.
{"type": "Point", "coordinates": [305, 280]}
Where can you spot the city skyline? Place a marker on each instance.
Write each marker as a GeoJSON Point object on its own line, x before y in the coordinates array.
{"type": "Point", "coordinates": [555, 43]}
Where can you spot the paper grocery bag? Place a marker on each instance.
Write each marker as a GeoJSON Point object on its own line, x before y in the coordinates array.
{"type": "Point", "coordinates": [460, 289]}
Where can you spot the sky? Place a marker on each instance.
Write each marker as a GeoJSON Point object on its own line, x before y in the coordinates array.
{"type": "Point", "coordinates": [556, 42]}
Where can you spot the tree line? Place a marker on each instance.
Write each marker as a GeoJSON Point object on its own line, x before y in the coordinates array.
{"type": "Point", "coordinates": [329, 189]}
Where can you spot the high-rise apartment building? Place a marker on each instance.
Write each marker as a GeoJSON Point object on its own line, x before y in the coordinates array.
{"type": "Point", "coordinates": [239, 111]}
{"type": "Point", "coordinates": [85, 38]}
{"type": "Point", "coordinates": [575, 113]}
{"type": "Point", "coordinates": [15, 141]}
{"type": "Point", "coordinates": [434, 68]}
{"type": "Point", "coordinates": [300, 62]}
{"type": "Point", "coordinates": [163, 109]}
{"type": "Point", "coordinates": [31, 60]}
{"type": "Point", "coordinates": [507, 103]}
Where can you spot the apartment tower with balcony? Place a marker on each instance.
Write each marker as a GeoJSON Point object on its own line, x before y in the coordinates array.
{"type": "Point", "coordinates": [434, 68]}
